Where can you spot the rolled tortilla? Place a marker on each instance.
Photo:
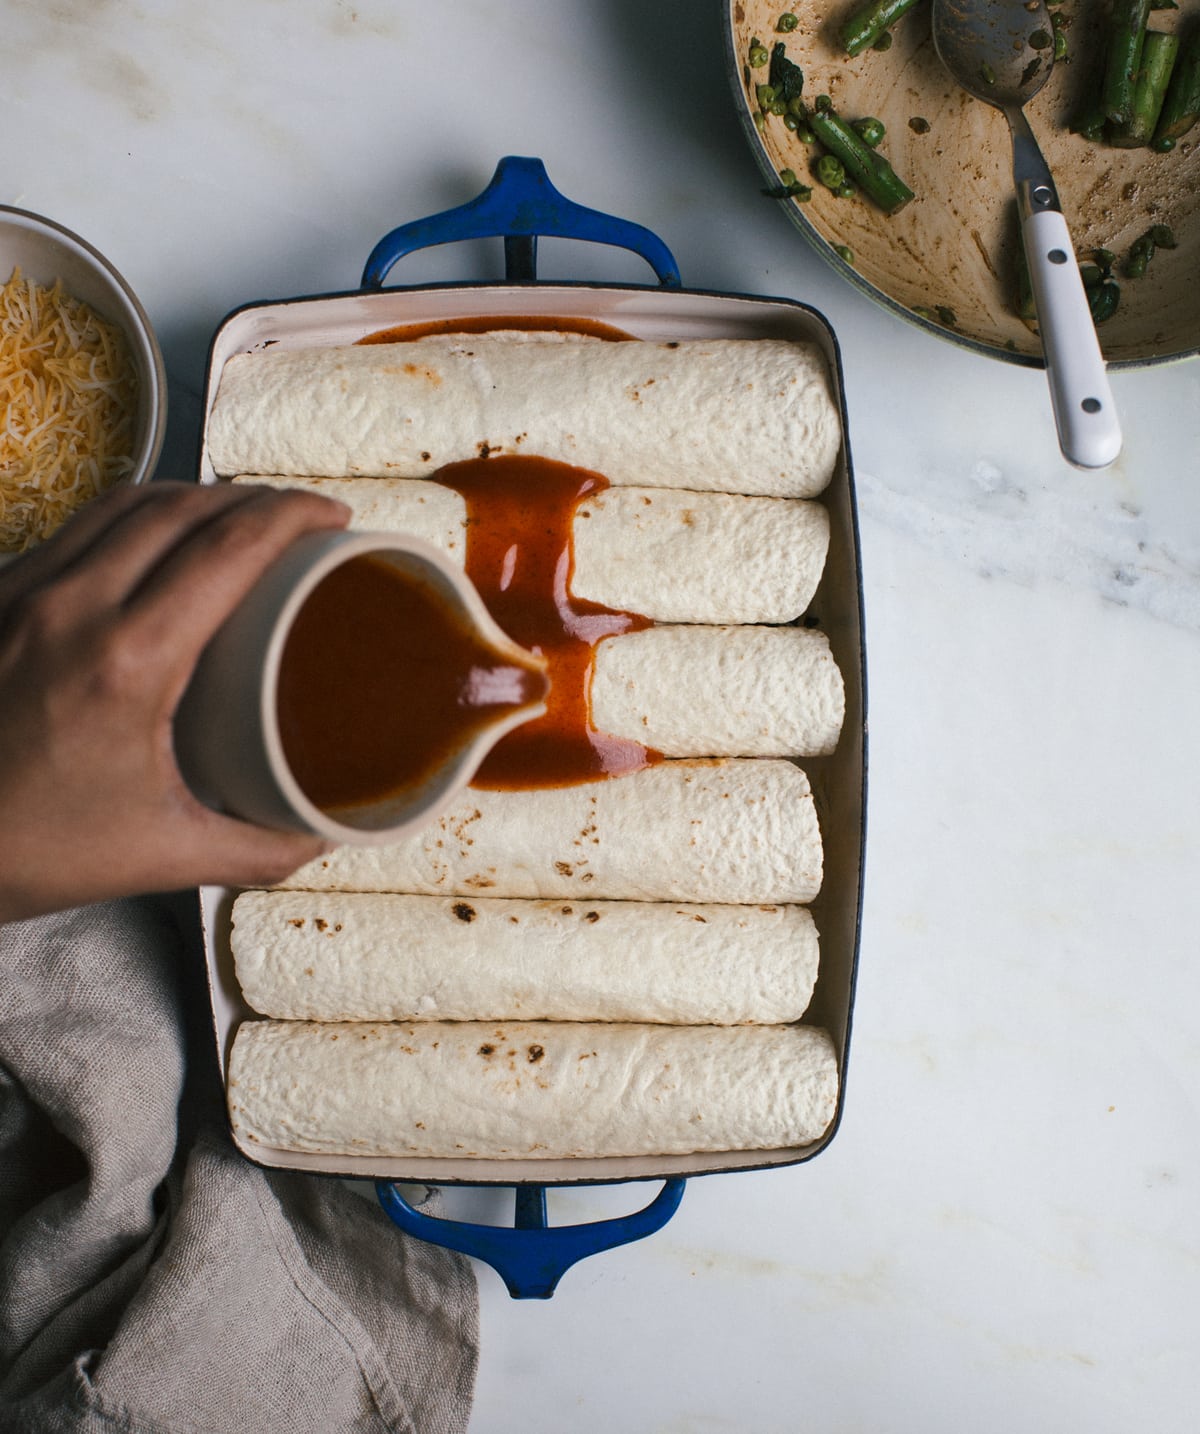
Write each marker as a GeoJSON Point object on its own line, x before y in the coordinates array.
{"type": "Point", "coordinates": [714, 415]}
{"type": "Point", "coordinates": [542, 1090]}
{"type": "Point", "coordinates": [720, 691]}
{"type": "Point", "coordinates": [338, 956]}
{"type": "Point", "coordinates": [733, 831]}
{"type": "Point", "coordinates": [669, 555]}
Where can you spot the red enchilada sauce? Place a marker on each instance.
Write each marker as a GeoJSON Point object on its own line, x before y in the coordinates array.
{"type": "Point", "coordinates": [520, 516]}
{"type": "Point", "coordinates": [381, 683]}
{"type": "Point", "coordinates": [488, 323]}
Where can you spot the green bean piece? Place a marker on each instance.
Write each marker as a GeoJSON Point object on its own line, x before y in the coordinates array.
{"type": "Point", "coordinates": [805, 135]}
{"type": "Point", "coordinates": [1103, 301]}
{"type": "Point", "coordinates": [870, 130]}
{"type": "Point", "coordinates": [846, 190]}
{"type": "Point", "coordinates": [947, 315]}
{"type": "Point", "coordinates": [864, 165]}
{"type": "Point", "coordinates": [1163, 235]}
{"type": "Point", "coordinates": [884, 42]}
{"type": "Point", "coordinates": [844, 253]}
{"type": "Point", "coordinates": [765, 94]}
{"type": "Point", "coordinates": [1158, 60]}
{"type": "Point", "coordinates": [1181, 107]}
{"type": "Point", "coordinates": [867, 22]}
{"type": "Point", "coordinates": [786, 23]}
{"type": "Point", "coordinates": [1092, 275]}
{"type": "Point", "coordinates": [1141, 251]}
{"type": "Point", "coordinates": [1126, 35]}
{"type": "Point", "coordinates": [831, 171]}
{"type": "Point", "coordinates": [1105, 259]}
{"type": "Point", "coordinates": [759, 55]}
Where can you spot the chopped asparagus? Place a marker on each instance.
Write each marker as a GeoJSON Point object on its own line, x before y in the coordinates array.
{"type": "Point", "coordinates": [1126, 35]}
{"type": "Point", "coordinates": [1181, 107]}
{"type": "Point", "coordinates": [1158, 60]}
{"type": "Point", "coordinates": [865, 166]}
{"type": "Point", "coordinates": [869, 22]}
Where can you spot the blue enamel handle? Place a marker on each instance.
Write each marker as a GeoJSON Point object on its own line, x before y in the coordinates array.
{"type": "Point", "coordinates": [531, 1257]}
{"type": "Point", "coordinates": [519, 204]}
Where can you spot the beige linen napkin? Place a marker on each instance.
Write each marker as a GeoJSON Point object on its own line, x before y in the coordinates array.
{"type": "Point", "coordinates": [152, 1281]}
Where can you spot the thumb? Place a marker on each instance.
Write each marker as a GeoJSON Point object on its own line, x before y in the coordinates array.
{"type": "Point", "coordinates": [231, 852]}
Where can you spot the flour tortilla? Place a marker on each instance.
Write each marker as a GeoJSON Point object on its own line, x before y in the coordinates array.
{"type": "Point", "coordinates": [715, 415]}
{"type": "Point", "coordinates": [670, 555]}
{"type": "Point", "coordinates": [739, 830]}
{"type": "Point", "coordinates": [539, 1090]}
{"type": "Point", "coordinates": [338, 956]}
{"type": "Point", "coordinates": [720, 691]}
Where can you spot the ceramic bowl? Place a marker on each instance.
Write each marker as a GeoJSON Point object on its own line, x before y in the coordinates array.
{"type": "Point", "coordinates": [45, 251]}
{"type": "Point", "coordinates": [948, 261]}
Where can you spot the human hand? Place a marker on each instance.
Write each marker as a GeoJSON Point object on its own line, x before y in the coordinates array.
{"type": "Point", "coordinates": [100, 628]}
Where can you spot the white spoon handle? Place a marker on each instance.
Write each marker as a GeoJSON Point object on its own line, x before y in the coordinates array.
{"type": "Point", "coordinates": [1089, 432]}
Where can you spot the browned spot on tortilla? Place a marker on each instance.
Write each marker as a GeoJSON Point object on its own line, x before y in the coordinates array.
{"type": "Point", "coordinates": [564, 868]}
{"type": "Point", "coordinates": [535, 1054]}
{"type": "Point", "coordinates": [463, 911]}
{"type": "Point", "coordinates": [487, 1050]}
{"type": "Point", "coordinates": [591, 916]}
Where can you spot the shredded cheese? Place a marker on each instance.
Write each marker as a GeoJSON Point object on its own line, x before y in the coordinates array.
{"type": "Point", "coordinates": [69, 394]}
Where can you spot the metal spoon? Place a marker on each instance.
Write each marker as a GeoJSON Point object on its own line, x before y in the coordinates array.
{"type": "Point", "coordinates": [1002, 52]}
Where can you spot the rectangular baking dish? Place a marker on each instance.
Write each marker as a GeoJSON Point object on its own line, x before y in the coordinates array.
{"type": "Point", "coordinates": [659, 312]}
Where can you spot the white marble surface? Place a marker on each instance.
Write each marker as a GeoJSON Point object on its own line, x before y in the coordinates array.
{"type": "Point", "coordinates": [1004, 1234]}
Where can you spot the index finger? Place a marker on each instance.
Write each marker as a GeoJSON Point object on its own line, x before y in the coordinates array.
{"type": "Point", "coordinates": [182, 602]}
